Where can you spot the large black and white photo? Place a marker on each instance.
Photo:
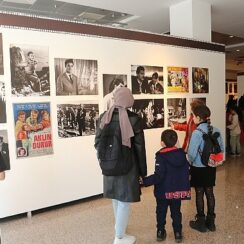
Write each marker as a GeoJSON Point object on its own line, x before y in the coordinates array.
{"type": "Point", "coordinates": [4, 151]}
{"type": "Point", "coordinates": [2, 103]}
{"type": "Point", "coordinates": [77, 119]}
{"type": "Point", "coordinates": [29, 70]}
{"type": "Point", "coordinates": [76, 77]}
{"type": "Point", "coordinates": [1, 55]}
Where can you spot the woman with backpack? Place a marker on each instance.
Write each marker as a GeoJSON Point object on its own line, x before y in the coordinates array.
{"type": "Point", "coordinates": [202, 176]}
{"type": "Point", "coordinates": [121, 153]}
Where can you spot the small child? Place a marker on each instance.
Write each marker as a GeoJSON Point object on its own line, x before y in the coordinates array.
{"type": "Point", "coordinates": [171, 184]}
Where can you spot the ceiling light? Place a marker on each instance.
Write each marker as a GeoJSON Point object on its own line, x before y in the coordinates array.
{"type": "Point", "coordinates": [231, 36]}
{"type": "Point", "coordinates": [238, 50]}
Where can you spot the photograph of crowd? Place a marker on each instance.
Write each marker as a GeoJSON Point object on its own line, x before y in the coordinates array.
{"type": "Point", "coordinates": [151, 111]}
{"type": "Point", "coordinates": [176, 110]}
{"type": "Point", "coordinates": [77, 119]}
{"type": "Point", "coordinates": [200, 80]}
{"type": "Point", "coordinates": [4, 151]}
{"type": "Point", "coordinates": [76, 77]}
{"type": "Point", "coordinates": [29, 70]}
{"type": "Point", "coordinates": [147, 79]}
{"type": "Point", "coordinates": [2, 103]}
{"type": "Point", "coordinates": [1, 55]}
{"type": "Point", "coordinates": [178, 79]}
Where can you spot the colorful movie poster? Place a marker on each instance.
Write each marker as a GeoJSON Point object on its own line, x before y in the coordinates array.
{"type": "Point", "coordinates": [33, 131]}
{"type": "Point", "coordinates": [200, 80]}
{"type": "Point", "coordinates": [1, 55]}
{"type": "Point", "coordinates": [178, 79]}
{"type": "Point", "coordinates": [3, 118]}
{"type": "Point", "coordinates": [29, 70]}
{"type": "Point", "coordinates": [4, 151]}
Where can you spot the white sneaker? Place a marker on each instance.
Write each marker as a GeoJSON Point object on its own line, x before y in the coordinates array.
{"type": "Point", "coordinates": [125, 240]}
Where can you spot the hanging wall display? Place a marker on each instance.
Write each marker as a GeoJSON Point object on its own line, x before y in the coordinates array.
{"type": "Point", "coordinates": [76, 77]}
{"type": "Point", "coordinates": [33, 132]}
{"type": "Point", "coordinates": [29, 70]}
{"type": "Point", "coordinates": [147, 79]}
{"type": "Point", "coordinates": [77, 119]}
{"type": "Point", "coordinates": [151, 111]}
{"type": "Point", "coordinates": [3, 118]}
{"type": "Point", "coordinates": [200, 80]}
{"type": "Point", "coordinates": [176, 110]}
{"type": "Point", "coordinates": [4, 151]}
{"type": "Point", "coordinates": [1, 55]}
{"type": "Point", "coordinates": [178, 79]}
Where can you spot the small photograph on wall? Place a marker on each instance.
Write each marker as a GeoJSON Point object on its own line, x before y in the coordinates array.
{"type": "Point", "coordinates": [200, 80]}
{"type": "Point", "coordinates": [1, 55]}
{"type": "Point", "coordinates": [3, 118]}
{"type": "Point", "coordinates": [110, 83]}
{"type": "Point", "coordinates": [202, 99]}
{"type": "Point", "coordinates": [29, 70]}
{"type": "Point", "coordinates": [77, 119]}
{"type": "Point", "coordinates": [76, 77]}
{"type": "Point", "coordinates": [4, 151]}
{"type": "Point", "coordinates": [151, 111]}
{"type": "Point", "coordinates": [33, 131]}
{"type": "Point", "coordinates": [176, 110]}
{"type": "Point", "coordinates": [178, 79]}
{"type": "Point", "coordinates": [147, 79]}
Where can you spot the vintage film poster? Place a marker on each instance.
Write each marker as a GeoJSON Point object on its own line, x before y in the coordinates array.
{"type": "Point", "coordinates": [1, 55]}
{"type": "Point", "coordinates": [33, 132]}
{"type": "Point", "coordinates": [29, 70]}
{"type": "Point", "coordinates": [176, 110]}
{"type": "Point", "coordinates": [4, 151]}
{"type": "Point", "coordinates": [147, 79]}
{"type": "Point", "coordinates": [178, 79]}
{"type": "Point", "coordinates": [151, 111]}
{"type": "Point", "coordinates": [77, 119]}
{"type": "Point", "coordinates": [76, 77]}
{"type": "Point", "coordinates": [110, 83]}
{"type": "Point", "coordinates": [200, 80]}
{"type": "Point", "coordinates": [202, 99]}
{"type": "Point", "coordinates": [3, 118]}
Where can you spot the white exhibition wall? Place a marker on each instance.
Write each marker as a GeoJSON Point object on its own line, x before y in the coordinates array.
{"type": "Point", "coordinates": [72, 172]}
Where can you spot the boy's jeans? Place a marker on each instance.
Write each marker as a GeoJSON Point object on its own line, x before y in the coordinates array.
{"type": "Point", "coordinates": [121, 215]}
{"type": "Point", "coordinates": [235, 144]}
{"type": "Point", "coordinates": [161, 211]}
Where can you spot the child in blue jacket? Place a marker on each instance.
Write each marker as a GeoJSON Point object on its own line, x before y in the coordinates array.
{"type": "Point", "coordinates": [171, 184]}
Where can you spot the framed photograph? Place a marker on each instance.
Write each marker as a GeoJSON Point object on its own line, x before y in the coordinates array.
{"type": "Point", "coordinates": [200, 80]}
{"type": "Point", "coordinates": [1, 55]}
{"type": "Point", "coordinates": [147, 79]}
{"type": "Point", "coordinates": [29, 70]}
{"type": "Point", "coordinates": [178, 79]}
{"type": "Point", "coordinates": [3, 118]}
{"type": "Point", "coordinates": [4, 151]}
{"type": "Point", "coordinates": [151, 111]}
{"type": "Point", "coordinates": [75, 77]}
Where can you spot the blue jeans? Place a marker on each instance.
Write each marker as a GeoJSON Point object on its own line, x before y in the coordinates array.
{"type": "Point", "coordinates": [121, 215]}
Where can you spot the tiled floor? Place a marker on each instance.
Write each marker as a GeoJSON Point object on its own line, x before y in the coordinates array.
{"type": "Point", "coordinates": [92, 222]}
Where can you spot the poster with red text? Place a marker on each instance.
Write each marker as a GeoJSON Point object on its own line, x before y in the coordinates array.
{"type": "Point", "coordinates": [33, 132]}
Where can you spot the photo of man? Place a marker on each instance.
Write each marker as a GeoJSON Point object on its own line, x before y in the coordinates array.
{"type": "Point", "coordinates": [200, 80]}
{"type": "Point", "coordinates": [3, 118]}
{"type": "Point", "coordinates": [4, 151]}
{"type": "Point", "coordinates": [178, 79]}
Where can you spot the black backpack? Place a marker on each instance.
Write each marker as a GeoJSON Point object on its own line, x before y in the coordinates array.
{"type": "Point", "coordinates": [211, 154]}
{"type": "Point", "coordinates": [114, 158]}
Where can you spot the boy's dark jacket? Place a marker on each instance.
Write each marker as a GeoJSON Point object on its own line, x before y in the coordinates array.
{"type": "Point", "coordinates": [171, 176]}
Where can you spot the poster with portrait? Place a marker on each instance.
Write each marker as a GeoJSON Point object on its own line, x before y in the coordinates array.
{"type": "Point", "coordinates": [29, 70]}
{"type": "Point", "coordinates": [77, 119]}
{"type": "Point", "coordinates": [147, 79]}
{"type": "Point", "coordinates": [76, 77]}
{"type": "Point", "coordinates": [3, 118]}
{"type": "Point", "coordinates": [4, 151]}
{"type": "Point", "coordinates": [33, 132]}
{"type": "Point", "coordinates": [151, 111]}
{"type": "Point", "coordinates": [200, 80]}
{"type": "Point", "coordinates": [176, 110]}
{"type": "Point", "coordinates": [178, 79]}
{"type": "Point", "coordinates": [1, 55]}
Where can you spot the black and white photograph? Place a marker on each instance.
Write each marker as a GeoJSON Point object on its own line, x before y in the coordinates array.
{"type": "Point", "coordinates": [176, 110]}
{"type": "Point", "coordinates": [4, 151]}
{"type": "Point", "coordinates": [151, 111]}
{"type": "Point", "coordinates": [2, 103]}
{"type": "Point", "coordinates": [202, 99]}
{"type": "Point", "coordinates": [1, 55]}
{"type": "Point", "coordinates": [111, 82]}
{"type": "Point", "coordinates": [77, 119]}
{"type": "Point", "coordinates": [147, 79]}
{"type": "Point", "coordinates": [200, 80]}
{"type": "Point", "coordinates": [76, 77]}
{"type": "Point", "coordinates": [29, 70]}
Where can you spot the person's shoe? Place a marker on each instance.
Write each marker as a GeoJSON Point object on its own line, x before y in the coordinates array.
{"type": "Point", "coordinates": [210, 222]}
{"type": "Point", "coordinates": [127, 239]}
{"type": "Point", "coordinates": [161, 235]}
{"type": "Point", "coordinates": [178, 237]}
{"type": "Point", "coordinates": [199, 223]}
{"type": "Point", "coordinates": [232, 154]}
{"type": "Point", "coordinates": [238, 154]}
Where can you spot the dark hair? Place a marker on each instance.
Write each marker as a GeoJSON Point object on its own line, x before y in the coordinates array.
{"type": "Point", "coordinates": [169, 137]}
{"type": "Point", "coordinates": [155, 75]}
{"type": "Point", "coordinates": [195, 103]}
{"type": "Point", "coordinates": [139, 69]}
{"type": "Point", "coordinates": [29, 53]}
{"type": "Point", "coordinates": [115, 82]}
{"type": "Point", "coordinates": [67, 61]}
